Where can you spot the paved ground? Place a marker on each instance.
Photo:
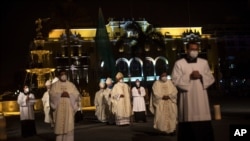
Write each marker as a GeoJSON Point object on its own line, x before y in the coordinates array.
{"type": "Point", "coordinates": [235, 110]}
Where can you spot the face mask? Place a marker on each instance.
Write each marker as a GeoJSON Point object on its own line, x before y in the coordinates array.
{"type": "Point", "coordinates": [48, 87]}
{"type": "Point", "coordinates": [164, 78]}
{"type": "Point", "coordinates": [64, 77]}
{"type": "Point", "coordinates": [137, 84]}
{"type": "Point", "coordinates": [102, 85]}
{"type": "Point", "coordinates": [26, 90]}
{"type": "Point", "coordinates": [193, 53]}
{"type": "Point", "coordinates": [121, 80]}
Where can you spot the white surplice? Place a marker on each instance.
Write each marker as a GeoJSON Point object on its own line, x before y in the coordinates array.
{"type": "Point", "coordinates": [26, 107]}
{"type": "Point", "coordinates": [193, 100]}
{"type": "Point", "coordinates": [138, 99]}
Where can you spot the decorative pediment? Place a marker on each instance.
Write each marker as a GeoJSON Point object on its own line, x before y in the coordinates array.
{"type": "Point", "coordinates": [189, 35]}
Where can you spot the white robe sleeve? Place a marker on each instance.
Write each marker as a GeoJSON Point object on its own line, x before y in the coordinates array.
{"type": "Point", "coordinates": [54, 96]}
{"type": "Point", "coordinates": [180, 79]}
{"type": "Point", "coordinates": [96, 99]}
{"type": "Point", "coordinates": [21, 100]}
{"type": "Point", "coordinates": [135, 92]}
{"type": "Point", "coordinates": [207, 77]}
{"type": "Point", "coordinates": [156, 92]}
{"type": "Point", "coordinates": [143, 91]}
{"type": "Point", "coordinates": [45, 99]}
{"type": "Point", "coordinates": [151, 106]}
{"type": "Point", "coordinates": [172, 91]}
{"type": "Point", "coordinates": [32, 99]}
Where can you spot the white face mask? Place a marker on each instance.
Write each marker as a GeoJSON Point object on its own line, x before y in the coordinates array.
{"type": "Point", "coordinates": [164, 78]}
{"type": "Point", "coordinates": [121, 80]}
{"type": "Point", "coordinates": [193, 53]}
{"type": "Point", "coordinates": [102, 85]}
{"type": "Point", "coordinates": [26, 90]}
{"type": "Point", "coordinates": [64, 77]}
{"type": "Point", "coordinates": [137, 84]}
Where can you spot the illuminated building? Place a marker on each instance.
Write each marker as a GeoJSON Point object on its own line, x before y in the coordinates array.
{"type": "Point", "coordinates": [138, 52]}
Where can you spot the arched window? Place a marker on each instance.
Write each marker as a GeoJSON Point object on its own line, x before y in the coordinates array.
{"type": "Point", "coordinates": [122, 66]}
{"type": "Point", "coordinates": [136, 67]}
{"type": "Point", "coordinates": [161, 64]}
{"type": "Point", "coordinates": [149, 67]}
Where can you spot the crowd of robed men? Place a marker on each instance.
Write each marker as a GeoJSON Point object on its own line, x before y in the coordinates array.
{"type": "Point", "coordinates": [180, 101]}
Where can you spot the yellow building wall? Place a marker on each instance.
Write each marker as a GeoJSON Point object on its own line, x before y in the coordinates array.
{"type": "Point", "coordinates": [175, 32]}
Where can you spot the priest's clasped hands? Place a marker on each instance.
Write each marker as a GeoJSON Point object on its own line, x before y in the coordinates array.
{"type": "Point", "coordinates": [165, 97]}
{"type": "Point", "coordinates": [65, 94]}
{"type": "Point", "coordinates": [195, 75]}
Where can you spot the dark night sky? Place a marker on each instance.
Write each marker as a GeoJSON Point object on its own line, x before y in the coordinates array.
{"type": "Point", "coordinates": [18, 17]}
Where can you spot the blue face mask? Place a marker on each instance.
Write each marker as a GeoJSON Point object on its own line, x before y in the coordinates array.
{"type": "Point", "coordinates": [110, 87]}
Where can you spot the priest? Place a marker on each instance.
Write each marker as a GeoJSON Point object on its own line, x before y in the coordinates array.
{"type": "Point", "coordinates": [193, 76]}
